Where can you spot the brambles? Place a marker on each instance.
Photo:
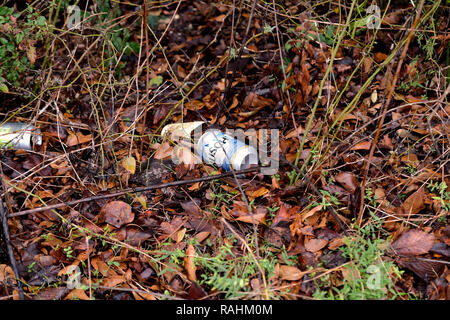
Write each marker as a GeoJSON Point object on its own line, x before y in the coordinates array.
{"type": "Point", "coordinates": [20, 33]}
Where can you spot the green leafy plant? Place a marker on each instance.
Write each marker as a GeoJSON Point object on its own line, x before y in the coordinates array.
{"type": "Point", "coordinates": [230, 272]}
{"type": "Point", "coordinates": [18, 37]}
{"type": "Point", "coordinates": [443, 195]}
{"type": "Point", "coordinates": [271, 214]}
{"type": "Point", "coordinates": [68, 252]}
{"type": "Point", "coordinates": [369, 274]}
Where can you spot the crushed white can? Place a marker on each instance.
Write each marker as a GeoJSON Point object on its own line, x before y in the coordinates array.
{"type": "Point", "coordinates": [223, 150]}
{"type": "Point", "coordinates": [213, 147]}
{"type": "Point", "coordinates": [17, 135]}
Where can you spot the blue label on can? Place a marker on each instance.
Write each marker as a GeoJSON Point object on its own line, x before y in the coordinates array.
{"type": "Point", "coordinates": [218, 148]}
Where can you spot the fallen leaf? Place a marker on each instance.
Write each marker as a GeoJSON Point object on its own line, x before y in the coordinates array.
{"type": "Point", "coordinates": [117, 213]}
{"type": "Point", "coordinates": [311, 212]}
{"type": "Point", "coordinates": [256, 101]}
{"type": "Point", "coordinates": [424, 269]}
{"type": "Point", "coordinates": [135, 236]}
{"type": "Point", "coordinates": [202, 236]}
{"type": "Point", "coordinates": [51, 293]}
{"type": "Point", "coordinates": [290, 273]}
{"type": "Point", "coordinates": [196, 291]}
{"type": "Point", "coordinates": [365, 145]}
{"type": "Point", "coordinates": [220, 18]}
{"type": "Point", "coordinates": [415, 202]}
{"type": "Point", "coordinates": [257, 193]}
{"type": "Point", "coordinates": [180, 235]}
{"type": "Point", "coordinates": [189, 264]}
{"type": "Point", "coordinates": [77, 294]}
{"type": "Point", "coordinates": [282, 215]}
{"type": "Point", "coordinates": [295, 133]}
{"type": "Point", "coordinates": [163, 151]}
{"type": "Point", "coordinates": [113, 280]}
{"type": "Point", "coordinates": [100, 266]}
{"type": "Point", "coordinates": [347, 180]}
{"type": "Point", "coordinates": [335, 243]}
{"type": "Point", "coordinates": [413, 242]}
{"type": "Point", "coordinates": [275, 183]}
{"type": "Point", "coordinates": [140, 295]}
{"type": "Point", "coordinates": [410, 159]}
{"type": "Point", "coordinates": [315, 245]}
{"type": "Point", "coordinates": [78, 138]}
{"type": "Point", "coordinates": [142, 199]}
{"type": "Point", "coordinates": [379, 57]}
{"type": "Point", "coordinates": [374, 96]}
{"type": "Point", "coordinates": [129, 163]}
{"type": "Point", "coordinates": [258, 218]}
{"type": "Point", "coordinates": [6, 273]}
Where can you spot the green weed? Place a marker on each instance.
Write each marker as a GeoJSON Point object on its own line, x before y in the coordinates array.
{"type": "Point", "coordinates": [18, 44]}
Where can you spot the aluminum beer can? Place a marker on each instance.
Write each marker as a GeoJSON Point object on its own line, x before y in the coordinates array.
{"type": "Point", "coordinates": [17, 135]}
{"type": "Point", "coordinates": [226, 151]}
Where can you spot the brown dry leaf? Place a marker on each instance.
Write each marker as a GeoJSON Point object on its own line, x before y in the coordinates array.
{"type": "Point", "coordinates": [282, 215]}
{"type": "Point", "coordinates": [295, 133]}
{"type": "Point", "coordinates": [140, 295]}
{"type": "Point", "coordinates": [77, 294]}
{"type": "Point", "coordinates": [234, 104]}
{"type": "Point", "coordinates": [335, 243]}
{"type": "Point", "coordinates": [78, 138]}
{"type": "Point", "coordinates": [290, 273]}
{"type": "Point", "coordinates": [347, 180]}
{"type": "Point", "coordinates": [350, 273]}
{"type": "Point", "coordinates": [163, 151]}
{"type": "Point", "coordinates": [275, 183]}
{"type": "Point", "coordinates": [51, 293]}
{"type": "Point", "coordinates": [135, 236]}
{"type": "Point", "coordinates": [311, 212]}
{"type": "Point", "coordinates": [100, 266]}
{"type": "Point", "coordinates": [117, 213]}
{"type": "Point", "coordinates": [394, 16]}
{"type": "Point", "coordinates": [202, 236]}
{"type": "Point", "coordinates": [195, 186]}
{"type": "Point", "coordinates": [413, 242]}
{"type": "Point", "coordinates": [220, 18]}
{"type": "Point", "coordinates": [387, 143]}
{"type": "Point", "coordinates": [257, 193]}
{"type": "Point", "coordinates": [114, 280]}
{"type": "Point", "coordinates": [380, 57]}
{"type": "Point", "coordinates": [239, 209]}
{"type": "Point", "coordinates": [365, 145]}
{"type": "Point", "coordinates": [256, 101]}
{"type": "Point", "coordinates": [315, 245]}
{"type": "Point", "coordinates": [258, 217]}
{"type": "Point", "coordinates": [424, 269]}
{"type": "Point", "coordinates": [410, 159]}
{"type": "Point", "coordinates": [180, 235]}
{"type": "Point", "coordinates": [415, 202]}
{"type": "Point", "coordinates": [189, 264]}
{"type": "Point", "coordinates": [6, 273]}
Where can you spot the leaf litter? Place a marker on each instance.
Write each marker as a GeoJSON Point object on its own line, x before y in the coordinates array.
{"type": "Point", "coordinates": [101, 135]}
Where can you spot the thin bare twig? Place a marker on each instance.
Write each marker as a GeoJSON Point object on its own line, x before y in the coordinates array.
{"type": "Point", "coordinates": [384, 110]}
{"type": "Point", "coordinates": [131, 190]}
{"type": "Point", "coordinates": [5, 228]}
